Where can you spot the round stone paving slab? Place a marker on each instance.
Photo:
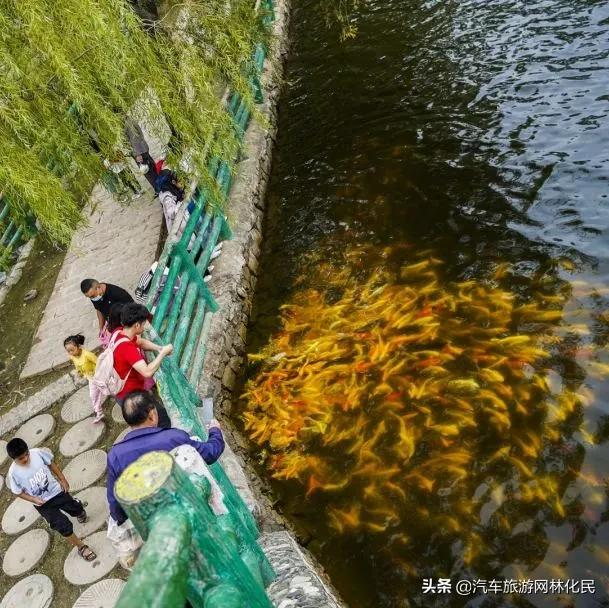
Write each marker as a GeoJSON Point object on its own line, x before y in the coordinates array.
{"type": "Point", "coordinates": [3, 454]}
{"type": "Point", "coordinates": [122, 435]}
{"type": "Point", "coordinates": [1, 482]}
{"type": "Point", "coordinates": [104, 594]}
{"type": "Point", "coordinates": [79, 572]}
{"type": "Point", "coordinates": [19, 516]}
{"type": "Point", "coordinates": [117, 414]}
{"type": "Point", "coordinates": [25, 552]}
{"type": "Point", "coordinates": [36, 429]}
{"type": "Point", "coordinates": [77, 407]}
{"type": "Point", "coordinates": [81, 437]}
{"type": "Point", "coordinates": [96, 505]}
{"type": "Point", "coordinates": [85, 469]}
{"type": "Point", "coordinates": [35, 591]}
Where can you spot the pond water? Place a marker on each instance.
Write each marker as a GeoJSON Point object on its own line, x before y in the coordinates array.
{"type": "Point", "coordinates": [429, 380]}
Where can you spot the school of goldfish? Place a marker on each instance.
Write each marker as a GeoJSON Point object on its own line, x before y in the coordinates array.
{"type": "Point", "coordinates": [403, 403]}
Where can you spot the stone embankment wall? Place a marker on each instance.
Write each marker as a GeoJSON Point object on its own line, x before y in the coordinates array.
{"type": "Point", "coordinates": [235, 271]}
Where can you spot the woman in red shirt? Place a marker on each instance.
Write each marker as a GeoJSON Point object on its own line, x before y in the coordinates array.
{"type": "Point", "coordinates": [129, 361]}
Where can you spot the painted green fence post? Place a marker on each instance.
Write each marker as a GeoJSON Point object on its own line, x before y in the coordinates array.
{"type": "Point", "coordinates": [157, 555]}
{"type": "Point", "coordinates": [4, 211]}
{"type": "Point", "coordinates": [155, 485]}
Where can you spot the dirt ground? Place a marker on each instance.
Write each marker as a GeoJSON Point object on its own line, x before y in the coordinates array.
{"type": "Point", "coordinates": [19, 321]}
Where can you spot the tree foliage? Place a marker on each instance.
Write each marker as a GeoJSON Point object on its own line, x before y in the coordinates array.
{"type": "Point", "coordinates": [74, 69]}
{"type": "Point", "coordinates": [340, 15]}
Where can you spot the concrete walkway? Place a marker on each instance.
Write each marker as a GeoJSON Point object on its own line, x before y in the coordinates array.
{"type": "Point", "coordinates": [118, 245]}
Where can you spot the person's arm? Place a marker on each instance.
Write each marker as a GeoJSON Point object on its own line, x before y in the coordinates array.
{"type": "Point", "coordinates": [148, 345]}
{"type": "Point", "coordinates": [116, 511]}
{"type": "Point", "coordinates": [58, 473]}
{"type": "Point", "coordinates": [211, 449]}
{"type": "Point", "coordinates": [100, 319]}
{"type": "Point", "coordinates": [18, 490]}
{"type": "Point", "coordinates": [37, 501]}
{"type": "Point", "coordinates": [149, 369]}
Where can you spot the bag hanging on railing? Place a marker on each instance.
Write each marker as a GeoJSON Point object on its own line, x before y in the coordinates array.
{"type": "Point", "coordinates": [143, 284]}
{"type": "Point", "coordinates": [126, 541]}
{"type": "Point", "coordinates": [154, 300]}
{"type": "Point", "coordinates": [192, 463]}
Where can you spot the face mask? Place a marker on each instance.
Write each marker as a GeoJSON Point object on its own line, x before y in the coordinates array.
{"type": "Point", "coordinates": [96, 298]}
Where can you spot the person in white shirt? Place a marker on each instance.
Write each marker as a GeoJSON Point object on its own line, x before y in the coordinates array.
{"type": "Point", "coordinates": [33, 476]}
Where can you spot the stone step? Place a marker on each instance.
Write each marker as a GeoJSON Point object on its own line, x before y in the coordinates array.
{"type": "Point", "coordinates": [35, 591]}
{"type": "Point", "coordinates": [25, 552]}
{"type": "Point", "coordinates": [103, 594]}
{"type": "Point", "coordinates": [80, 572]}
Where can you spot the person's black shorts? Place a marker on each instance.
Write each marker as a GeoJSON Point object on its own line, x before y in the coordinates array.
{"type": "Point", "coordinates": [54, 511]}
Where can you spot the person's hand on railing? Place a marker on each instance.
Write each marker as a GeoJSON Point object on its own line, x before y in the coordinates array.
{"type": "Point", "coordinates": [167, 350]}
{"type": "Point", "coordinates": [212, 423]}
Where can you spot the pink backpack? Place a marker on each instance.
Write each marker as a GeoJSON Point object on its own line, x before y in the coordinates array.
{"type": "Point", "coordinates": [106, 379]}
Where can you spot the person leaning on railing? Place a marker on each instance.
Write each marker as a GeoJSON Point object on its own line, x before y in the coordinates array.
{"type": "Point", "coordinates": [140, 413]}
{"type": "Point", "coordinates": [129, 360]}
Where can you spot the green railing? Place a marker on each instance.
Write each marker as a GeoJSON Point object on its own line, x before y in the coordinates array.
{"type": "Point", "coordinates": [190, 552]}
{"type": "Point", "coordinates": [212, 560]}
{"type": "Point", "coordinates": [12, 235]}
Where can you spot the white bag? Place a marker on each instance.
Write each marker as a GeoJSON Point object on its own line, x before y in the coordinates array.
{"type": "Point", "coordinates": [192, 463]}
{"type": "Point", "coordinates": [106, 378]}
{"type": "Point", "coordinates": [126, 541]}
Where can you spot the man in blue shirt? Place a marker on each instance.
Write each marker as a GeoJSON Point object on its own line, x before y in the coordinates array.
{"type": "Point", "coordinates": [139, 412]}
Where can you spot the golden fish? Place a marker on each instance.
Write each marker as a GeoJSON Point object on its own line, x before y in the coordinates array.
{"type": "Point", "coordinates": [526, 471]}
{"type": "Point", "coordinates": [448, 430]}
{"type": "Point", "coordinates": [463, 387]}
{"type": "Point", "coordinates": [343, 520]}
{"type": "Point", "coordinates": [491, 375]}
{"type": "Point", "coordinates": [421, 481]}
{"type": "Point", "coordinates": [316, 484]}
{"type": "Point", "coordinates": [367, 373]}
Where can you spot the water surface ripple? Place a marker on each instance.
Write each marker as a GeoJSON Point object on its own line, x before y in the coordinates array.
{"type": "Point", "coordinates": [478, 129]}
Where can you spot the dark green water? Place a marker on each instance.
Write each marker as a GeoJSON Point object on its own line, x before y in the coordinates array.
{"type": "Point", "coordinates": [478, 129]}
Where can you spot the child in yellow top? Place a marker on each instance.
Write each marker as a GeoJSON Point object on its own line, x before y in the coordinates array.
{"type": "Point", "coordinates": [85, 363]}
